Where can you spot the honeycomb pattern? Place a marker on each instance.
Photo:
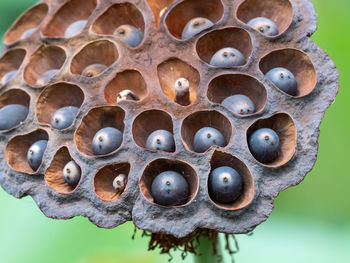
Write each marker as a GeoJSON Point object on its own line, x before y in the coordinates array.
{"type": "Point", "coordinates": [150, 70]}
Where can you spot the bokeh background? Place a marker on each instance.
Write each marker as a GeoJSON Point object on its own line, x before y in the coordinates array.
{"type": "Point", "coordinates": [310, 223]}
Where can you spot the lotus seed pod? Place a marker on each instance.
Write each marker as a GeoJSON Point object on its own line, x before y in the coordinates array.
{"type": "Point", "coordinates": [93, 70]}
{"type": "Point", "coordinates": [35, 154]}
{"type": "Point", "coordinates": [71, 173]}
{"type": "Point", "coordinates": [106, 141]}
{"type": "Point", "coordinates": [195, 26]}
{"type": "Point", "coordinates": [225, 184]}
{"type": "Point", "coordinates": [161, 140]}
{"type": "Point", "coordinates": [207, 137]}
{"type": "Point", "coordinates": [12, 115]}
{"type": "Point", "coordinates": [136, 92]}
{"type": "Point", "coordinates": [239, 104]}
{"type": "Point", "coordinates": [46, 77]}
{"type": "Point", "coordinates": [64, 117]}
{"type": "Point", "coordinates": [284, 80]}
{"type": "Point", "coordinates": [264, 144]}
{"type": "Point", "coordinates": [264, 26]}
{"type": "Point", "coordinates": [170, 188]}
{"type": "Point", "coordinates": [119, 183]}
{"type": "Point", "coordinates": [75, 28]}
{"type": "Point", "coordinates": [127, 95]}
{"type": "Point", "coordinates": [129, 34]}
{"type": "Point", "coordinates": [227, 57]}
{"type": "Point", "coordinates": [7, 77]}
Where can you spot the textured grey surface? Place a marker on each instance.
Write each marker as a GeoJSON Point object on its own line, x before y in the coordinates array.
{"type": "Point", "coordinates": [158, 46]}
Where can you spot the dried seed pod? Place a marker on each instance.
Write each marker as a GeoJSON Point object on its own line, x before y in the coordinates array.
{"type": "Point", "coordinates": [164, 85]}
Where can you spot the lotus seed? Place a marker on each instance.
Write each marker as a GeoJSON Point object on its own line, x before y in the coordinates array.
{"type": "Point", "coordinates": [12, 115]}
{"type": "Point", "coordinates": [127, 95]}
{"type": "Point", "coordinates": [106, 141]}
{"type": "Point", "coordinates": [284, 80]}
{"type": "Point", "coordinates": [7, 77]}
{"type": "Point", "coordinates": [93, 70]}
{"type": "Point", "coordinates": [207, 137]}
{"type": "Point", "coordinates": [264, 26]}
{"type": "Point", "coordinates": [129, 34]}
{"type": "Point", "coordinates": [71, 173]}
{"type": "Point", "coordinates": [64, 117]}
{"type": "Point", "coordinates": [119, 183]}
{"type": "Point", "coordinates": [239, 104]}
{"type": "Point", "coordinates": [225, 184]}
{"type": "Point", "coordinates": [161, 140]}
{"type": "Point", "coordinates": [75, 28]}
{"type": "Point", "coordinates": [264, 144]}
{"type": "Point", "coordinates": [182, 91]}
{"type": "Point", "coordinates": [46, 77]}
{"type": "Point", "coordinates": [195, 26]}
{"type": "Point", "coordinates": [35, 154]}
{"type": "Point", "coordinates": [228, 57]}
{"type": "Point", "coordinates": [170, 188]}
{"type": "Point", "coordinates": [28, 33]}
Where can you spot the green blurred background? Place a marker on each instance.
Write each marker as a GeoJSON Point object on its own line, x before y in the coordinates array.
{"type": "Point", "coordinates": [310, 223]}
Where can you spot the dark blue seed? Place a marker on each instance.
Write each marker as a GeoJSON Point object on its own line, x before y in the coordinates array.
{"type": "Point", "coordinates": [228, 57]}
{"type": "Point", "coordinates": [207, 137]}
{"type": "Point", "coordinates": [264, 26]}
{"type": "Point", "coordinates": [284, 80]}
{"type": "Point", "coordinates": [161, 140]}
{"type": "Point", "coordinates": [75, 28]}
{"type": "Point", "coordinates": [64, 117]}
{"type": "Point", "coordinates": [71, 173]}
{"type": "Point", "coordinates": [264, 144]}
{"type": "Point", "coordinates": [194, 26]}
{"type": "Point", "coordinates": [106, 141]}
{"type": "Point", "coordinates": [12, 115]}
{"type": "Point", "coordinates": [35, 154]}
{"type": "Point", "coordinates": [239, 104]}
{"type": "Point", "coordinates": [170, 188]}
{"type": "Point", "coordinates": [225, 184]}
{"type": "Point", "coordinates": [45, 78]}
{"type": "Point", "coordinates": [129, 34]}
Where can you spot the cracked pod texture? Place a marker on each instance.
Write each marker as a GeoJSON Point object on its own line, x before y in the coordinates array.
{"type": "Point", "coordinates": [132, 89]}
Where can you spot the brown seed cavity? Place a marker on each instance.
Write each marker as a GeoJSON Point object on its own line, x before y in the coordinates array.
{"type": "Point", "coordinates": [227, 85]}
{"type": "Point", "coordinates": [69, 13]}
{"type": "Point", "coordinates": [103, 181]}
{"type": "Point", "coordinates": [200, 119]}
{"type": "Point", "coordinates": [219, 159]}
{"type": "Point", "coordinates": [31, 19]}
{"type": "Point", "coordinates": [297, 62]}
{"type": "Point", "coordinates": [127, 14]}
{"type": "Point", "coordinates": [173, 69]}
{"type": "Point", "coordinates": [55, 97]}
{"type": "Point", "coordinates": [45, 58]}
{"type": "Point", "coordinates": [148, 122]}
{"type": "Point", "coordinates": [279, 11]}
{"type": "Point", "coordinates": [233, 37]}
{"type": "Point", "coordinates": [284, 126]}
{"type": "Point", "coordinates": [101, 52]}
{"type": "Point", "coordinates": [161, 165]}
{"type": "Point", "coordinates": [183, 12]}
